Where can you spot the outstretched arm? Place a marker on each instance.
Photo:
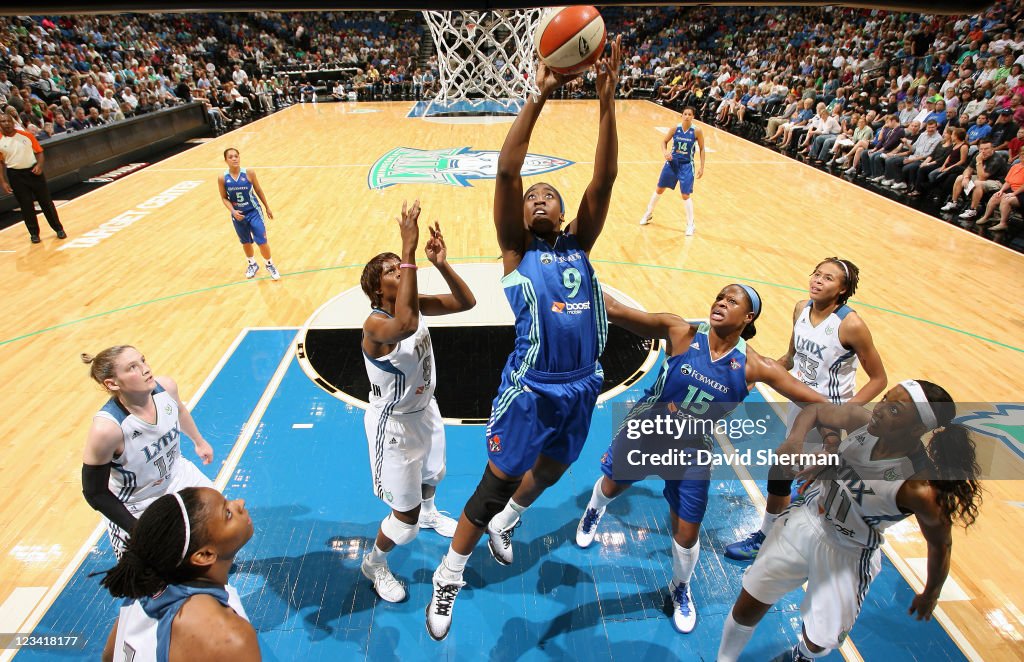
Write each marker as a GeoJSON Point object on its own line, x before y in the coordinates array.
{"type": "Point", "coordinates": [461, 297]}
{"type": "Point", "coordinates": [390, 330]}
{"type": "Point", "coordinates": [508, 187]}
{"type": "Point", "coordinates": [594, 207]}
{"type": "Point", "coordinates": [918, 496]}
{"type": "Point", "coordinates": [646, 325]}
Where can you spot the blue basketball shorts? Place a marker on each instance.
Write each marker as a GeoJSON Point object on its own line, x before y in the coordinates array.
{"type": "Point", "coordinates": [686, 497]}
{"type": "Point", "coordinates": [251, 230]}
{"type": "Point", "coordinates": [541, 413]}
{"type": "Point", "coordinates": [674, 172]}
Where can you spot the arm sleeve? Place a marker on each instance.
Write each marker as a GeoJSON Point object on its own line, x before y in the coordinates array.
{"type": "Point", "coordinates": [95, 488]}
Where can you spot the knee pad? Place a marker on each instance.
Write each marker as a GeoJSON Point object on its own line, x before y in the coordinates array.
{"type": "Point", "coordinates": [491, 496]}
{"type": "Point", "coordinates": [398, 531]}
{"type": "Point", "coordinates": [778, 486]}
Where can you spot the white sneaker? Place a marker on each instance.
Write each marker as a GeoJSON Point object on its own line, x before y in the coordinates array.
{"type": "Point", "coordinates": [438, 521]}
{"type": "Point", "coordinates": [272, 270]}
{"type": "Point", "coordinates": [876, 179]}
{"type": "Point", "coordinates": [384, 583]}
{"type": "Point", "coordinates": [899, 186]}
{"type": "Point", "coordinates": [251, 270]}
{"type": "Point", "coordinates": [690, 229]}
{"type": "Point", "coordinates": [587, 528]}
{"type": "Point", "coordinates": [886, 182]}
{"type": "Point", "coordinates": [849, 171]}
{"type": "Point", "coordinates": [949, 206]}
{"type": "Point", "coordinates": [646, 219]}
{"type": "Point", "coordinates": [684, 612]}
{"type": "Point", "coordinates": [968, 214]}
{"type": "Point", "coordinates": [499, 541]}
{"type": "Point", "coordinates": [442, 602]}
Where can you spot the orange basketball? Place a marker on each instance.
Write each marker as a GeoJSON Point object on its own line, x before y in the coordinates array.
{"type": "Point", "coordinates": [570, 39]}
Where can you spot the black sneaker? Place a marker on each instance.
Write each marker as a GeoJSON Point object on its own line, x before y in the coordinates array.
{"type": "Point", "coordinates": [61, 234]}
{"type": "Point", "coordinates": [35, 239]}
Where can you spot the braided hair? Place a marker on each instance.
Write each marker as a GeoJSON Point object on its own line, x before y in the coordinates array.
{"type": "Point", "coordinates": [851, 277]}
{"type": "Point", "coordinates": [153, 559]}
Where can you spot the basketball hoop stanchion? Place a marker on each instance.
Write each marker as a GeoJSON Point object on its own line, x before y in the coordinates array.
{"type": "Point", "coordinates": [486, 60]}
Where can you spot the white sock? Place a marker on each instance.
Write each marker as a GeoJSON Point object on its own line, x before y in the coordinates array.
{"type": "Point", "coordinates": [454, 563]}
{"type": "Point", "coordinates": [252, 260]}
{"type": "Point", "coordinates": [654, 200]}
{"type": "Point", "coordinates": [688, 203]}
{"type": "Point", "coordinates": [427, 506]}
{"type": "Point", "coordinates": [268, 261]}
{"type": "Point", "coordinates": [734, 639]}
{"type": "Point", "coordinates": [509, 516]}
{"type": "Point", "coordinates": [377, 556]}
{"type": "Point", "coordinates": [806, 652]}
{"type": "Point", "coordinates": [767, 523]}
{"type": "Point", "coordinates": [597, 498]}
{"type": "Point", "coordinates": [683, 562]}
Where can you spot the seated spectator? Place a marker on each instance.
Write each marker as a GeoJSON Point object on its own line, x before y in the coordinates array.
{"type": "Point", "coordinates": [984, 174]}
{"type": "Point", "coordinates": [889, 139]}
{"type": "Point", "coordinates": [948, 169]}
{"type": "Point", "coordinates": [1003, 131]}
{"type": "Point", "coordinates": [821, 127]}
{"type": "Point", "coordinates": [903, 167]}
{"type": "Point", "coordinates": [338, 93]}
{"type": "Point", "coordinates": [80, 122]}
{"type": "Point", "coordinates": [307, 92]}
{"type": "Point", "coordinates": [1007, 198]}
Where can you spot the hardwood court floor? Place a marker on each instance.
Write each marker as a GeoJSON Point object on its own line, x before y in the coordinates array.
{"type": "Point", "coordinates": [165, 274]}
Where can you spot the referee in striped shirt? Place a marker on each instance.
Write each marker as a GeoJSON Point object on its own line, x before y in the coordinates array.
{"type": "Point", "coordinates": [23, 176]}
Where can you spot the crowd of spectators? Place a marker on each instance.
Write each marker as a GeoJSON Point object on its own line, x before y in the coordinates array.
{"type": "Point", "coordinates": [926, 109]}
{"type": "Point", "coordinates": [876, 95]}
{"type": "Point", "coordinates": [73, 73]}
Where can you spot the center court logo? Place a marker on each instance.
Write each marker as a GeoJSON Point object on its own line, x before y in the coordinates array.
{"type": "Point", "coordinates": [455, 166]}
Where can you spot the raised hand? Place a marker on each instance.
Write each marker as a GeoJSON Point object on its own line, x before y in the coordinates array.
{"type": "Point", "coordinates": [608, 70]}
{"type": "Point", "coordinates": [408, 225]}
{"type": "Point", "coordinates": [435, 249]}
{"type": "Point", "coordinates": [548, 80]}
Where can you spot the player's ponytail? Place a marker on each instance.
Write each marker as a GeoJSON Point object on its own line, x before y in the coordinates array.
{"type": "Point", "coordinates": [154, 558]}
{"type": "Point", "coordinates": [954, 460]}
{"type": "Point", "coordinates": [101, 366]}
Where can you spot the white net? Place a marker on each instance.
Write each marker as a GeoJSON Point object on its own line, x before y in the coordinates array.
{"type": "Point", "coordinates": [485, 60]}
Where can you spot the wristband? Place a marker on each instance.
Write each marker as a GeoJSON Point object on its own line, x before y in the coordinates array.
{"type": "Point", "coordinates": [406, 265]}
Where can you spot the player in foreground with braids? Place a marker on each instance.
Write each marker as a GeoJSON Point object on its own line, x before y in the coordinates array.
{"type": "Point", "coordinates": [174, 575]}
{"type": "Point", "coordinates": [832, 538]}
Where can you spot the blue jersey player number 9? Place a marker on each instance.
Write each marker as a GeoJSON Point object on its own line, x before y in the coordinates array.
{"type": "Point", "coordinates": [571, 279]}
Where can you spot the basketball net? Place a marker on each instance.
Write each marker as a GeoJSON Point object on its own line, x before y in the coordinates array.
{"type": "Point", "coordinates": [484, 58]}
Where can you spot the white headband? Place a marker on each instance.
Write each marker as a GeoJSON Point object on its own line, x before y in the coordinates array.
{"type": "Point", "coordinates": [924, 408]}
{"type": "Point", "coordinates": [188, 528]}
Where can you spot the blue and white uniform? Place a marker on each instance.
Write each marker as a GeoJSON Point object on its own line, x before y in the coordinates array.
{"type": "Point", "coordinates": [252, 228]}
{"type": "Point", "coordinates": [690, 385]}
{"type": "Point", "coordinates": [831, 539]}
{"type": "Point", "coordinates": [552, 378]}
{"type": "Point", "coordinates": [681, 168]}
{"type": "Point", "coordinates": [823, 363]}
{"type": "Point", "coordinates": [144, 625]}
{"type": "Point", "coordinates": [403, 425]}
{"type": "Point", "coordinates": [151, 464]}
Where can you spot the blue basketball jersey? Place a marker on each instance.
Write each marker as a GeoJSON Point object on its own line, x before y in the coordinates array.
{"type": "Point", "coordinates": [240, 192]}
{"type": "Point", "coordinates": [561, 324]}
{"type": "Point", "coordinates": [697, 385]}
{"type": "Point", "coordinates": [684, 144]}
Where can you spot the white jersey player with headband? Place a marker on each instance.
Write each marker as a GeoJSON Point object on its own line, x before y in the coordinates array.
{"type": "Point", "coordinates": [831, 539]}
{"type": "Point", "coordinates": [829, 340]}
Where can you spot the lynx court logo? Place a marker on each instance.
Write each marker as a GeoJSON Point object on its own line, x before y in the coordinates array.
{"type": "Point", "coordinates": [456, 166]}
{"type": "Point", "coordinates": [1006, 424]}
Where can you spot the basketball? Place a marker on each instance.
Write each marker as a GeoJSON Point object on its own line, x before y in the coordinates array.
{"type": "Point", "coordinates": [570, 39]}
